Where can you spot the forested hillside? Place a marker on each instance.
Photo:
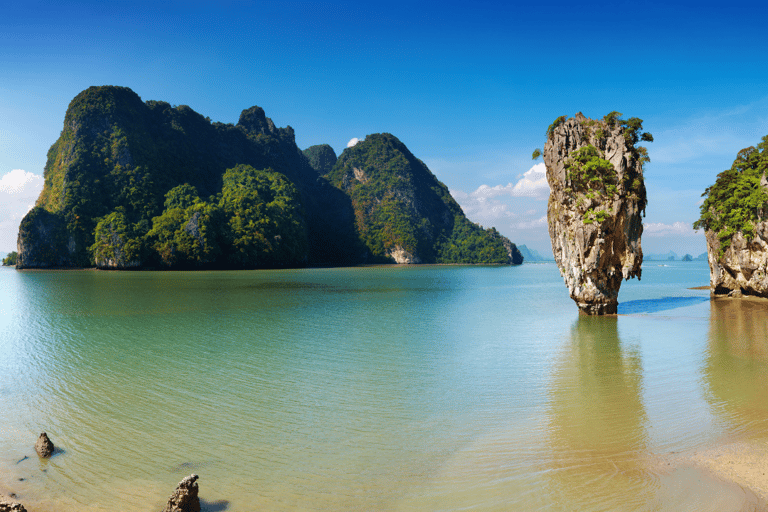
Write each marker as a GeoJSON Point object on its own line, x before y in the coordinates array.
{"type": "Point", "coordinates": [133, 184]}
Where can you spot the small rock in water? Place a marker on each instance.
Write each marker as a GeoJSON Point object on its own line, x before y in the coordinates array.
{"type": "Point", "coordinates": [7, 504]}
{"type": "Point", "coordinates": [184, 497]}
{"type": "Point", "coordinates": [44, 447]}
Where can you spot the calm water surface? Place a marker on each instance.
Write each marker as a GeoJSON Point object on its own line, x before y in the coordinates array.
{"type": "Point", "coordinates": [373, 388]}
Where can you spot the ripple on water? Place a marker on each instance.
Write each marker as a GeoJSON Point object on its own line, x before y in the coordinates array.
{"type": "Point", "coordinates": [373, 388]}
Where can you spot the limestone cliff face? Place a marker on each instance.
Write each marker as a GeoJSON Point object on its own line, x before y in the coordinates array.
{"type": "Point", "coordinates": [595, 205]}
{"type": "Point", "coordinates": [742, 269]}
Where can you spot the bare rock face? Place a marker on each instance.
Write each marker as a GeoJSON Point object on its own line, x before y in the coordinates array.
{"type": "Point", "coordinates": [597, 196]}
{"type": "Point", "coordinates": [44, 447]}
{"type": "Point", "coordinates": [742, 269]}
{"type": "Point", "coordinates": [8, 504]}
{"type": "Point", "coordinates": [403, 257]}
{"type": "Point", "coordinates": [184, 497]}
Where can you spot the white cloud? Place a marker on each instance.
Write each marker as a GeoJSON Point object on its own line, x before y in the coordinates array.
{"type": "Point", "coordinates": [659, 229]}
{"type": "Point", "coordinates": [16, 181]}
{"type": "Point", "coordinates": [352, 142]}
{"type": "Point", "coordinates": [18, 192]}
{"type": "Point", "coordinates": [532, 184]}
{"type": "Point", "coordinates": [531, 224]}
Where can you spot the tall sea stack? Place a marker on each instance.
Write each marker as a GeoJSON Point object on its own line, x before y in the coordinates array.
{"type": "Point", "coordinates": [597, 196]}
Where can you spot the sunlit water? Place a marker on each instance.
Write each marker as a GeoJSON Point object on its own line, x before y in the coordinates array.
{"type": "Point", "coordinates": [373, 388]}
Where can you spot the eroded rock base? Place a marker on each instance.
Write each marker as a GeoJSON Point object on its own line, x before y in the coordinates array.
{"type": "Point", "coordinates": [600, 308]}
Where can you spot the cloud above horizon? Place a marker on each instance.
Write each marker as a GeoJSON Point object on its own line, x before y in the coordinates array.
{"type": "Point", "coordinates": [19, 190]}
{"type": "Point", "coordinates": [352, 142]}
{"type": "Point", "coordinates": [659, 229]}
{"type": "Point", "coordinates": [533, 183]}
{"type": "Point", "coordinates": [517, 209]}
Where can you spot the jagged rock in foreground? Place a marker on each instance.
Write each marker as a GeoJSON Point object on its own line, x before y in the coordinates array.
{"type": "Point", "coordinates": [597, 196]}
{"type": "Point", "coordinates": [8, 504]}
{"type": "Point", "coordinates": [44, 446]}
{"type": "Point", "coordinates": [184, 497]}
{"type": "Point", "coordinates": [734, 215]}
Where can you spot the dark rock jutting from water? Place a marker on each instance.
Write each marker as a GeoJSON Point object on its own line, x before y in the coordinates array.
{"type": "Point", "coordinates": [597, 196]}
{"type": "Point", "coordinates": [44, 446]}
{"type": "Point", "coordinates": [8, 504]}
{"type": "Point", "coordinates": [185, 496]}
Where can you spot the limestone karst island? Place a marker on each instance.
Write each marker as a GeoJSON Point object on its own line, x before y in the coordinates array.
{"type": "Point", "coordinates": [597, 197]}
{"type": "Point", "coordinates": [133, 184]}
{"type": "Point", "coordinates": [734, 216]}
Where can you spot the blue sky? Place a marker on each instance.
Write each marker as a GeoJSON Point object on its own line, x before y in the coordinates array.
{"type": "Point", "coordinates": [470, 88]}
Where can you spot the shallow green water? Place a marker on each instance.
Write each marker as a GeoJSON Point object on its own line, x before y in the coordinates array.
{"type": "Point", "coordinates": [374, 388]}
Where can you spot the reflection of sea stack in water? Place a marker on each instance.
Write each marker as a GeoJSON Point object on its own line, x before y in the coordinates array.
{"type": "Point", "coordinates": [184, 497]}
{"type": "Point", "coordinates": [595, 174]}
{"type": "Point", "coordinates": [596, 418]}
{"type": "Point", "coordinates": [44, 447]}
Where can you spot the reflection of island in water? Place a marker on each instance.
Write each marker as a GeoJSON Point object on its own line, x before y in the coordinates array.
{"type": "Point", "coordinates": [597, 421]}
{"type": "Point", "coordinates": [736, 367]}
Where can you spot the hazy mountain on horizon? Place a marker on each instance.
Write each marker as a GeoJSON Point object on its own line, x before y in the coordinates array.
{"type": "Point", "coordinates": [531, 255]}
{"type": "Point", "coordinates": [670, 256]}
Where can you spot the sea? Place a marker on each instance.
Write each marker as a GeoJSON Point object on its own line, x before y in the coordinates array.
{"type": "Point", "coordinates": [375, 388]}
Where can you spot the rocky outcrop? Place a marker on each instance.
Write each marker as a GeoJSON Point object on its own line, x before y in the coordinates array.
{"type": "Point", "coordinates": [594, 213]}
{"type": "Point", "coordinates": [44, 446]}
{"type": "Point", "coordinates": [114, 252]}
{"type": "Point", "coordinates": [515, 255]}
{"type": "Point", "coordinates": [184, 497]}
{"type": "Point", "coordinates": [742, 268]}
{"type": "Point", "coordinates": [9, 504]}
{"type": "Point", "coordinates": [402, 256]}
{"type": "Point", "coordinates": [44, 241]}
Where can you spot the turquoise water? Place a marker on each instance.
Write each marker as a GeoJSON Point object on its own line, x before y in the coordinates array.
{"type": "Point", "coordinates": [373, 388]}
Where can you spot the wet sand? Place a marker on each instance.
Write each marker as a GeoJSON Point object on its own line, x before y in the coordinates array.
{"type": "Point", "coordinates": [744, 463]}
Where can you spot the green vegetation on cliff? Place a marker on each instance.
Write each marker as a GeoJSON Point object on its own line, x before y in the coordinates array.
{"type": "Point", "coordinates": [739, 198]}
{"type": "Point", "coordinates": [255, 221]}
{"type": "Point", "coordinates": [400, 206]}
{"type": "Point", "coordinates": [322, 158]}
{"type": "Point", "coordinates": [592, 179]}
{"type": "Point", "coordinates": [117, 157]}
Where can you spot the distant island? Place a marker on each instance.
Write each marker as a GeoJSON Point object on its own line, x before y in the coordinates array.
{"type": "Point", "coordinates": [9, 259]}
{"type": "Point", "coordinates": [134, 184]}
{"type": "Point", "coordinates": [672, 256]}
